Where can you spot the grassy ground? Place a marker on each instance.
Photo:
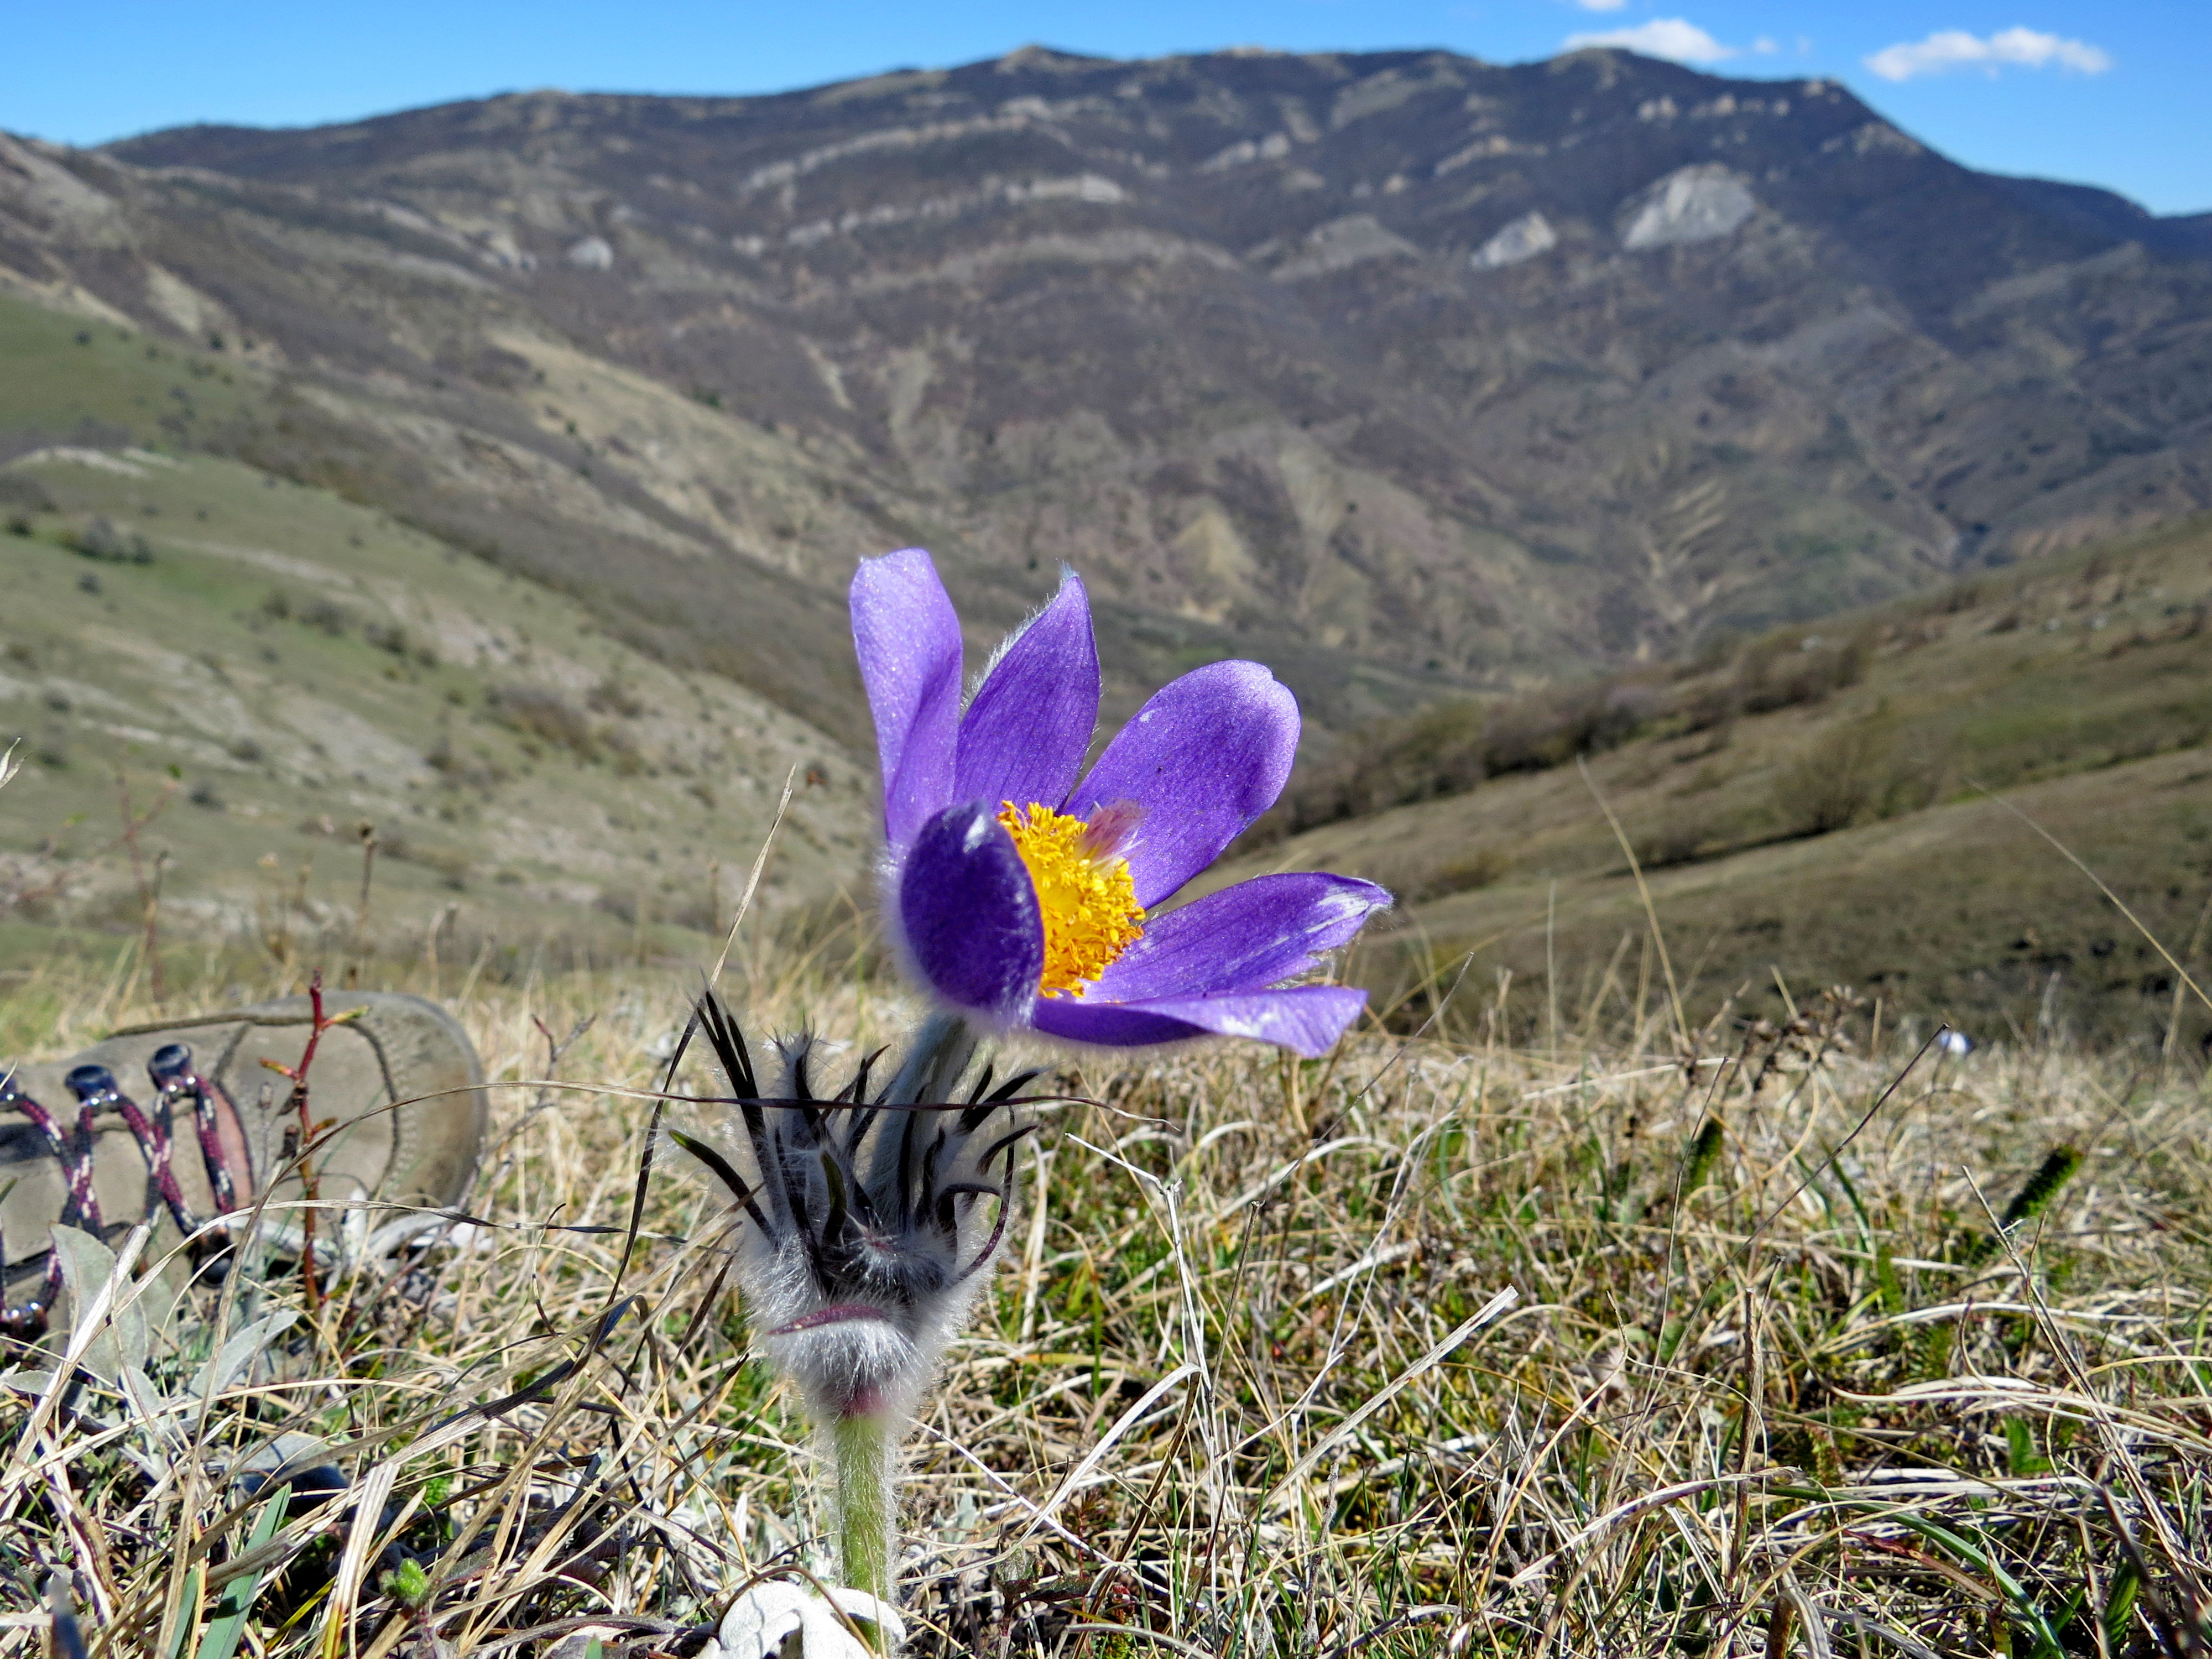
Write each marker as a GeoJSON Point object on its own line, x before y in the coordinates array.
{"type": "Point", "coordinates": [69, 374]}
{"type": "Point", "coordinates": [1864, 834]}
{"type": "Point", "coordinates": [266, 669]}
{"type": "Point", "coordinates": [1769, 1379]}
{"type": "Point", "coordinates": [1768, 1376]}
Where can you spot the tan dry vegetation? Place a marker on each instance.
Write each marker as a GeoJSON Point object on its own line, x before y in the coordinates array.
{"type": "Point", "coordinates": [1244, 1385]}
{"type": "Point", "coordinates": [285, 667]}
{"type": "Point", "coordinates": [1824, 802]}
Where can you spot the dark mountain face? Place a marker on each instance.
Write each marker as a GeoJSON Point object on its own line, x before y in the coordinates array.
{"type": "Point", "coordinates": [1405, 370]}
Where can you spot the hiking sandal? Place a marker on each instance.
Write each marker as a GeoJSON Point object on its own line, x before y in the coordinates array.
{"type": "Point", "coordinates": [180, 1121]}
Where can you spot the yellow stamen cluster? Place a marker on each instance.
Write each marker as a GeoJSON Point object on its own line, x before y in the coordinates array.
{"type": "Point", "coordinates": [1088, 898]}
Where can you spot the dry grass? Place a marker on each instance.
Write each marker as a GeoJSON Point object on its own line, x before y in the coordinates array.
{"type": "Point", "coordinates": [1246, 1385]}
{"type": "Point", "coordinates": [1848, 836]}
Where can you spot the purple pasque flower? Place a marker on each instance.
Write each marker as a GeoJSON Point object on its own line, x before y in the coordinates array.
{"type": "Point", "coordinates": [1022, 888]}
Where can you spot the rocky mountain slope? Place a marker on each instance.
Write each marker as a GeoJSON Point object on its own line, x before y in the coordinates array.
{"type": "Point", "coordinates": [1408, 372]}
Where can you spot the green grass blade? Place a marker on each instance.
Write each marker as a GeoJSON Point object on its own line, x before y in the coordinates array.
{"type": "Point", "coordinates": [229, 1624]}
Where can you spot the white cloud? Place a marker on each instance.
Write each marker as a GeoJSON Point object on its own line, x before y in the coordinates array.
{"type": "Point", "coordinates": [1662, 37]}
{"type": "Point", "coordinates": [1764, 45]}
{"type": "Point", "coordinates": [1601, 5]}
{"type": "Point", "coordinates": [1954, 49]}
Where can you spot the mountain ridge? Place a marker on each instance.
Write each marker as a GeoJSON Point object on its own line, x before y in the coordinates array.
{"type": "Point", "coordinates": [2106, 208]}
{"type": "Point", "coordinates": [1413, 373]}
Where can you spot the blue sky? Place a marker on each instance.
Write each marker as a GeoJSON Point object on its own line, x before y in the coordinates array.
{"type": "Point", "coordinates": [2113, 92]}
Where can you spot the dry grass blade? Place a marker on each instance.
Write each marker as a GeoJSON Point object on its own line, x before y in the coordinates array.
{"type": "Point", "coordinates": [1643, 893]}
{"type": "Point", "coordinates": [1295, 1349]}
{"type": "Point", "coordinates": [1397, 1385]}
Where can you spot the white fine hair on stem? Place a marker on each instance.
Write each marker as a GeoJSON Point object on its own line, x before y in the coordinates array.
{"type": "Point", "coordinates": [870, 1217]}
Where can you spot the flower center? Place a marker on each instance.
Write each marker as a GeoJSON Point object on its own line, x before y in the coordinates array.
{"type": "Point", "coordinates": [1084, 889]}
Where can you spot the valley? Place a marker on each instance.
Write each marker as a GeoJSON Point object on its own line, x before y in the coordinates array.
{"type": "Point", "coordinates": [1858, 805]}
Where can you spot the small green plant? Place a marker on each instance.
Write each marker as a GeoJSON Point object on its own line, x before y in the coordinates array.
{"type": "Point", "coordinates": [2029, 1203]}
{"type": "Point", "coordinates": [1704, 1152]}
{"type": "Point", "coordinates": [407, 1584]}
{"type": "Point", "coordinates": [2020, 1455]}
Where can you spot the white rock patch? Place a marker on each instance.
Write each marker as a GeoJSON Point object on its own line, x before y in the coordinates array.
{"type": "Point", "coordinates": [1875, 139]}
{"type": "Point", "coordinates": [1525, 238]}
{"type": "Point", "coordinates": [1342, 243]}
{"type": "Point", "coordinates": [592, 253]}
{"type": "Point", "coordinates": [1273, 148]}
{"type": "Point", "coordinates": [1697, 204]}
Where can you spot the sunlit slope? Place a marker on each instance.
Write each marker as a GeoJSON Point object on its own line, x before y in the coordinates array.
{"type": "Point", "coordinates": [291, 667]}
{"type": "Point", "coordinates": [1853, 837]}
{"type": "Point", "coordinates": [63, 374]}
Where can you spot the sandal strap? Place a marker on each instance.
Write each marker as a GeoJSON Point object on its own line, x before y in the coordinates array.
{"type": "Point", "coordinates": [28, 1320]}
{"type": "Point", "coordinates": [175, 1082]}
{"type": "Point", "coordinates": [175, 1076]}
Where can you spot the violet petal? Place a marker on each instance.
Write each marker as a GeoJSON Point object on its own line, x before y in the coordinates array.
{"type": "Point", "coordinates": [1023, 736]}
{"type": "Point", "coordinates": [970, 915]}
{"type": "Point", "coordinates": [1306, 1018]}
{"type": "Point", "coordinates": [1208, 754]}
{"type": "Point", "coordinates": [1257, 933]}
{"type": "Point", "coordinates": [907, 638]}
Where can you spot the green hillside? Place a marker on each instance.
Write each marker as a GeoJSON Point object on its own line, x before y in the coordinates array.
{"type": "Point", "coordinates": [276, 667]}
{"type": "Point", "coordinates": [1814, 807]}
{"type": "Point", "coordinates": [66, 375]}
{"type": "Point", "coordinates": [281, 668]}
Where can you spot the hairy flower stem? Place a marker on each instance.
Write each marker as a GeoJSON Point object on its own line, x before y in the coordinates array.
{"type": "Point", "coordinates": [941, 1051]}
{"type": "Point", "coordinates": [876, 1216]}
{"type": "Point", "coordinates": [864, 1448]}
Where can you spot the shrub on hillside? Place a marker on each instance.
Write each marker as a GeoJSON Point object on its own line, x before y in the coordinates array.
{"type": "Point", "coordinates": [327, 615]}
{"type": "Point", "coordinates": [392, 637]}
{"type": "Point", "coordinates": [25, 495]}
{"type": "Point", "coordinates": [100, 539]}
{"type": "Point", "coordinates": [1680, 837]}
{"type": "Point", "coordinates": [545, 715]}
{"type": "Point", "coordinates": [1781, 673]}
{"type": "Point", "coordinates": [1535, 733]}
{"type": "Point", "coordinates": [629, 760]}
{"type": "Point", "coordinates": [1920, 774]}
{"type": "Point", "coordinates": [612, 697]}
{"type": "Point", "coordinates": [1841, 779]}
{"type": "Point", "coordinates": [456, 768]}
